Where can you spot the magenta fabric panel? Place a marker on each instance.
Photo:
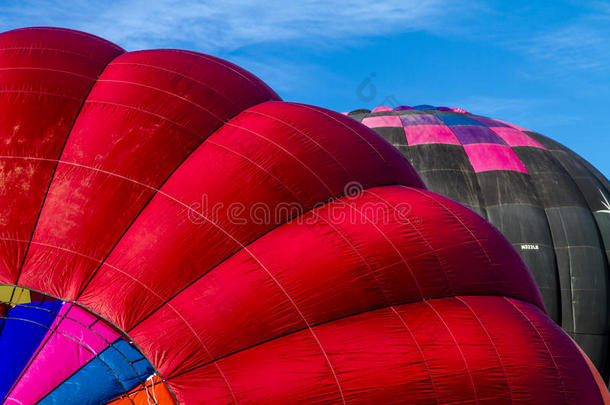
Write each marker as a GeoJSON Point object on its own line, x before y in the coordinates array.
{"type": "Point", "coordinates": [70, 344]}
{"type": "Point", "coordinates": [423, 134]}
{"type": "Point", "coordinates": [384, 121]}
{"type": "Point", "coordinates": [381, 108]}
{"type": "Point", "coordinates": [485, 157]}
{"type": "Point", "coordinates": [514, 137]}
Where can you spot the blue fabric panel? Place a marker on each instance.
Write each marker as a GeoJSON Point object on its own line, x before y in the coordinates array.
{"type": "Point", "coordinates": [104, 377]}
{"type": "Point", "coordinates": [24, 327]}
{"type": "Point", "coordinates": [424, 107]}
{"type": "Point", "coordinates": [458, 119]}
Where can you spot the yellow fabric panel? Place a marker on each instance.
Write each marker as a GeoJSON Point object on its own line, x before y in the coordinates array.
{"type": "Point", "coordinates": [20, 296]}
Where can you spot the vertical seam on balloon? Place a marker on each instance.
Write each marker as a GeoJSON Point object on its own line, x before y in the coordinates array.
{"type": "Point", "coordinates": [457, 345]}
{"type": "Point", "coordinates": [563, 387]}
{"type": "Point", "coordinates": [52, 177]}
{"type": "Point", "coordinates": [543, 207]}
{"type": "Point", "coordinates": [600, 238]}
{"type": "Point", "coordinates": [571, 278]}
{"type": "Point", "coordinates": [592, 172]}
{"type": "Point", "coordinates": [421, 352]}
{"type": "Point", "coordinates": [285, 151]}
{"type": "Point", "coordinates": [350, 175]}
{"type": "Point", "coordinates": [309, 327]}
{"type": "Point", "coordinates": [346, 126]}
{"type": "Point", "coordinates": [226, 380]}
{"type": "Point", "coordinates": [430, 196]}
{"type": "Point", "coordinates": [362, 259]}
{"type": "Point", "coordinates": [419, 289]}
{"type": "Point", "coordinates": [421, 235]}
{"type": "Point", "coordinates": [510, 390]}
{"type": "Point", "coordinates": [558, 298]}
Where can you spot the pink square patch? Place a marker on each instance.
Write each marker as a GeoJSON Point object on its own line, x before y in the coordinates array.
{"type": "Point", "coordinates": [513, 137]}
{"type": "Point", "coordinates": [486, 157]}
{"type": "Point", "coordinates": [513, 125]}
{"type": "Point", "coordinates": [381, 108]}
{"type": "Point", "coordinates": [383, 121]}
{"type": "Point", "coordinates": [423, 134]}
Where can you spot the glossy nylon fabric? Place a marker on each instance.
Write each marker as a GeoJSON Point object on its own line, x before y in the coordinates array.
{"type": "Point", "coordinates": [548, 201]}
{"type": "Point", "coordinates": [269, 252]}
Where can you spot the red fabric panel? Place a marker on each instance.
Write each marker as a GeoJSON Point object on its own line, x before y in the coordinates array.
{"type": "Point", "coordinates": [275, 157]}
{"type": "Point", "coordinates": [475, 349]}
{"type": "Point", "coordinates": [146, 113]}
{"type": "Point", "coordinates": [387, 246]}
{"type": "Point", "coordinates": [45, 75]}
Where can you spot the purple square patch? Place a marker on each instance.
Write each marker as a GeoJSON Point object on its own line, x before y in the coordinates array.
{"type": "Point", "coordinates": [420, 119]}
{"type": "Point", "coordinates": [473, 134]}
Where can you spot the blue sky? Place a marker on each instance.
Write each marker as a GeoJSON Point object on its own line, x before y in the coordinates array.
{"type": "Point", "coordinates": [544, 65]}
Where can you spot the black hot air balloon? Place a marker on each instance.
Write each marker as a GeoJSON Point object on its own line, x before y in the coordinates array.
{"type": "Point", "coordinates": [548, 201]}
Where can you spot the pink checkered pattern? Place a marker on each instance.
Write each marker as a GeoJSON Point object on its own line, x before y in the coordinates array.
{"type": "Point", "coordinates": [487, 142]}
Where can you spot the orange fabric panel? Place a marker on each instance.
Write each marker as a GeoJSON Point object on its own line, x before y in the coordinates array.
{"type": "Point", "coordinates": [156, 392]}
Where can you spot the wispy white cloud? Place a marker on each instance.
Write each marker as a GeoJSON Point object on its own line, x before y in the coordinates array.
{"type": "Point", "coordinates": [578, 46]}
{"type": "Point", "coordinates": [230, 24]}
{"type": "Point", "coordinates": [580, 43]}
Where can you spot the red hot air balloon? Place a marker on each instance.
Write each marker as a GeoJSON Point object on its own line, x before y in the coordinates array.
{"type": "Point", "coordinates": [173, 231]}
